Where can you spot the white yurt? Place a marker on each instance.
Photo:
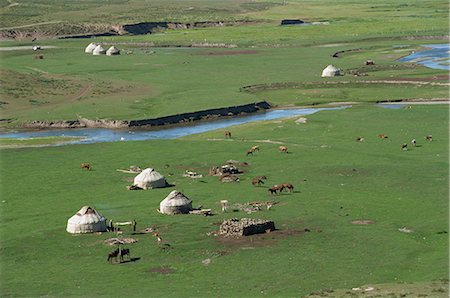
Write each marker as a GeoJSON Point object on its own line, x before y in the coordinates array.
{"type": "Point", "coordinates": [90, 48]}
{"type": "Point", "coordinates": [113, 51]}
{"type": "Point", "coordinates": [149, 178]}
{"type": "Point", "coordinates": [331, 71]}
{"type": "Point", "coordinates": [175, 203]}
{"type": "Point", "coordinates": [87, 220]}
{"type": "Point", "coordinates": [99, 50]}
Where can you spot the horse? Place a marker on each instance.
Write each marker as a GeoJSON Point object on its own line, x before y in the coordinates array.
{"type": "Point", "coordinates": [429, 138]}
{"type": "Point", "coordinates": [258, 180]}
{"type": "Point", "coordinates": [253, 149]}
{"type": "Point", "coordinates": [382, 136]}
{"type": "Point", "coordinates": [228, 134]}
{"type": "Point", "coordinates": [283, 149]}
{"type": "Point", "coordinates": [112, 255]}
{"type": "Point", "coordinates": [86, 165]}
{"type": "Point", "coordinates": [289, 186]}
{"type": "Point", "coordinates": [125, 252]}
{"type": "Point", "coordinates": [274, 189]}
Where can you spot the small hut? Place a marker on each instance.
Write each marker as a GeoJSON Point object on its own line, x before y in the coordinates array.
{"type": "Point", "coordinates": [90, 48]}
{"type": "Point", "coordinates": [175, 203]}
{"type": "Point", "coordinates": [331, 71]}
{"type": "Point", "coordinates": [113, 51]}
{"type": "Point", "coordinates": [149, 178]}
{"type": "Point", "coordinates": [87, 220]}
{"type": "Point", "coordinates": [99, 50]}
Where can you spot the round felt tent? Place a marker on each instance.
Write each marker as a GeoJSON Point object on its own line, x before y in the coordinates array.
{"type": "Point", "coordinates": [175, 203]}
{"type": "Point", "coordinates": [113, 51]}
{"type": "Point", "coordinates": [90, 48]}
{"type": "Point", "coordinates": [331, 71]}
{"type": "Point", "coordinates": [149, 178]}
{"type": "Point", "coordinates": [86, 220]}
{"type": "Point", "coordinates": [99, 50]}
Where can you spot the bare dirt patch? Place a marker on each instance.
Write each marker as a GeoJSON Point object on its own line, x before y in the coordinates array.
{"type": "Point", "coordinates": [363, 222]}
{"type": "Point", "coordinates": [161, 270]}
{"type": "Point", "coordinates": [259, 240]}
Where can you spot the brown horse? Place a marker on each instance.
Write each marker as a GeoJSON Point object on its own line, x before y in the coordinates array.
{"type": "Point", "coordinates": [382, 136]}
{"type": "Point", "coordinates": [274, 189]}
{"type": "Point", "coordinates": [283, 149]}
{"type": "Point", "coordinates": [228, 134]}
{"type": "Point", "coordinates": [289, 186]}
{"type": "Point", "coordinates": [258, 180]}
{"type": "Point", "coordinates": [253, 149]}
{"type": "Point", "coordinates": [86, 165]}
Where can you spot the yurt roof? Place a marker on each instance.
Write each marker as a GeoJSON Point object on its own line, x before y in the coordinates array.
{"type": "Point", "coordinates": [88, 211]}
{"type": "Point", "coordinates": [99, 50]}
{"type": "Point", "coordinates": [149, 174]}
{"type": "Point", "coordinates": [90, 47]}
{"type": "Point", "coordinates": [331, 67]}
{"type": "Point", "coordinates": [112, 50]}
{"type": "Point", "coordinates": [176, 198]}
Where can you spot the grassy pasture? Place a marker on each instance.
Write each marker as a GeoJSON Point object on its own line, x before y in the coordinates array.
{"type": "Point", "coordinates": [153, 82]}
{"type": "Point", "coordinates": [337, 180]}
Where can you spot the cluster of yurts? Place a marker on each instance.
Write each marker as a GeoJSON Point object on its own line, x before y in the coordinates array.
{"type": "Point", "coordinates": [97, 49]}
{"type": "Point", "coordinates": [89, 220]}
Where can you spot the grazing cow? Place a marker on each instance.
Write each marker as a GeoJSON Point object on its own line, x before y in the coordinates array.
{"type": "Point", "coordinates": [86, 166]}
{"type": "Point", "coordinates": [382, 136]}
{"type": "Point", "coordinates": [112, 255]}
{"type": "Point", "coordinates": [413, 141]}
{"type": "Point", "coordinates": [429, 138]}
{"type": "Point", "coordinates": [228, 134]}
{"type": "Point", "coordinates": [360, 139]}
{"type": "Point", "coordinates": [404, 146]}
{"type": "Point", "coordinates": [283, 149]}
{"type": "Point", "coordinates": [274, 189]}
{"type": "Point", "coordinates": [258, 180]}
{"type": "Point", "coordinates": [289, 186]}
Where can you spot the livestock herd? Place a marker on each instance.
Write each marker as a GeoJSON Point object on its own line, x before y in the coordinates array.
{"type": "Point", "coordinates": [256, 181]}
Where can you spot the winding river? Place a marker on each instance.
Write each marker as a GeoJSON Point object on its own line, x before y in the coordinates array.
{"type": "Point", "coordinates": [437, 57]}
{"type": "Point", "coordinates": [97, 135]}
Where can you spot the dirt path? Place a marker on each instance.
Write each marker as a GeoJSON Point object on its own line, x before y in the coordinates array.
{"type": "Point", "coordinates": [81, 93]}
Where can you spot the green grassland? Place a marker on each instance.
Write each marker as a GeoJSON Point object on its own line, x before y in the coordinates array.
{"type": "Point", "coordinates": [68, 82]}
{"type": "Point", "coordinates": [337, 180]}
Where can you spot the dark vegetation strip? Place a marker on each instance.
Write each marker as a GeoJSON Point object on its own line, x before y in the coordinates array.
{"type": "Point", "coordinates": [183, 118]}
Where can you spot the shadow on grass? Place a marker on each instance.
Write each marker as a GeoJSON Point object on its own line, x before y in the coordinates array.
{"type": "Point", "coordinates": [130, 260]}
